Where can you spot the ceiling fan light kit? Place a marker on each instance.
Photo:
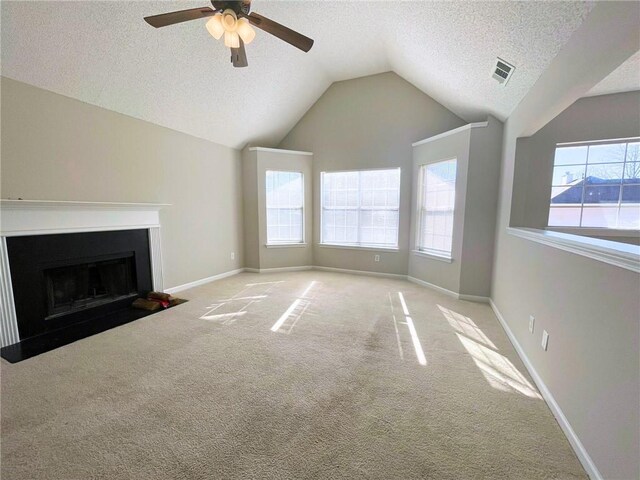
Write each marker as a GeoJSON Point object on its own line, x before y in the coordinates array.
{"type": "Point", "coordinates": [233, 20]}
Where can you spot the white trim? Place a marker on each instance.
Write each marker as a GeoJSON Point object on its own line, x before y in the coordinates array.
{"type": "Point", "coordinates": [357, 247]}
{"type": "Point", "coordinates": [286, 245]}
{"type": "Point", "coordinates": [8, 321]}
{"type": "Point", "coordinates": [474, 298]}
{"type": "Point", "coordinates": [595, 232]}
{"type": "Point", "coordinates": [280, 269]}
{"type": "Point", "coordinates": [451, 132]}
{"type": "Point", "coordinates": [571, 435]}
{"type": "Point", "coordinates": [432, 256]}
{"type": "Point", "coordinates": [619, 254]}
{"type": "Point", "coordinates": [437, 288]}
{"type": "Point", "coordinates": [360, 272]}
{"type": "Point", "coordinates": [155, 251]}
{"type": "Point", "coordinates": [597, 142]}
{"type": "Point", "coordinates": [40, 217]}
{"type": "Point", "coordinates": [202, 281]}
{"type": "Point", "coordinates": [278, 150]}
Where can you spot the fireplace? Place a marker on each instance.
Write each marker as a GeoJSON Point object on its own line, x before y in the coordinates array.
{"type": "Point", "coordinates": [70, 269]}
{"type": "Point", "coordinates": [65, 279]}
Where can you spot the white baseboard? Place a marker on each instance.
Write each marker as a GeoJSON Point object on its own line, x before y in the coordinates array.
{"type": "Point", "coordinates": [280, 269]}
{"type": "Point", "coordinates": [474, 298]}
{"type": "Point", "coordinates": [576, 444]}
{"type": "Point", "coordinates": [202, 281]}
{"type": "Point", "coordinates": [360, 272]}
{"type": "Point", "coordinates": [417, 281]}
{"type": "Point", "coordinates": [451, 293]}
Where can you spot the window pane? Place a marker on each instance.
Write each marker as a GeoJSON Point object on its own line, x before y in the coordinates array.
{"type": "Point", "coordinates": [437, 207]}
{"type": "Point", "coordinates": [606, 172]}
{"type": "Point", "coordinates": [600, 216]}
{"type": "Point", "coordinates": [613, 153]}
{"type": "Point", "coordinates": [284, 198]}
{"type": "Point", "coordinates": [631, 194]}
{"type": "Point", "coordinates": [633, 152]}
{"type": "Point", "coordinates": [565, 195]}
{"type": "Point", "coordinates": [564, 216]}
{"type": "Point", "coordinates": [361, 207]}
{"type": "Point", "coordinates": [629, 217]}
{"type": "Point", "coordinates": [570, 156]}
{"type": "Point", "coordinates": [568, 174]}
{"type": "Point", "coordinates": [603, 194]}
{"type": "Point", "coordinates": [632, 172]}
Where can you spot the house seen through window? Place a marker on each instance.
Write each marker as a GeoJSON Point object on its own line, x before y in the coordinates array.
{"type": "Point", "coordinates": [596, 185]}
{"type": "Point", "coordinates": [285, 194]}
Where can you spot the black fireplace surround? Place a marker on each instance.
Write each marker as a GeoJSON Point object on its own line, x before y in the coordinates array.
{"type": "Point", "coordinates": [69, 279]}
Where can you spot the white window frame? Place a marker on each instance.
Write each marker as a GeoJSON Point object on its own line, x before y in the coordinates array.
{"type": "Point", "coordinates": [358, 246]}
{"type": "Point", "coordinates": [579, 229]}
{"type": "Point", "coordinates": [419, 249]}
{"type": "Point", "coordinates": [266, 210]}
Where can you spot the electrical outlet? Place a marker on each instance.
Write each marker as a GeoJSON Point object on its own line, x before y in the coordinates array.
{"type": "Point", "coordinates": [233, 255]}
{"type": "Point", "coordinates": [532, 321]}
{"type": "Point", "coordinates": [376, 258]}
{"type": "Point", "coordinates": [545, 340]}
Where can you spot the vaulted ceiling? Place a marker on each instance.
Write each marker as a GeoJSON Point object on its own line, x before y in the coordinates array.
{"type": "Point", "coordinates": [179, 77]}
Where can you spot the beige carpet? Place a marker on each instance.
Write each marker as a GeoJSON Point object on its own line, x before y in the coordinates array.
{"type": "Point", "coordinates": [340, 389]}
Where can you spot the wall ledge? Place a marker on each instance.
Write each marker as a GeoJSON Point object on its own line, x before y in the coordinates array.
{"type": "Point", "coordinates": [621, 255]}
{"type": "Point", "coordinates": [469, 126]}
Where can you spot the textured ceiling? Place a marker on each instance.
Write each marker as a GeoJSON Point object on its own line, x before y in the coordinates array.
{"type": "Point", "coordinates": [103, 53]}
{"type": "Point", "coordinates": [625, 78]}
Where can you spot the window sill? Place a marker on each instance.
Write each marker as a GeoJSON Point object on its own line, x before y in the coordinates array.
{"type": "Point", "coordinates": [590, 231]}
{"type": "Point", "coordinates": [285, 245]}
{"type": "Point", "coordinates": [358, 247]}
{"type": "Point", "coordinates": [432, 256]}
{"type": "Point", "coordinates": [622, 255]}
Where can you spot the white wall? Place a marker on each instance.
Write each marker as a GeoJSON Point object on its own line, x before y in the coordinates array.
{"type": "Point", "coordinates": [58, 148]}
{"type": "Point", "coordinates": [368, 122]}
{"type": "Point", "coordinates": [589, 308]}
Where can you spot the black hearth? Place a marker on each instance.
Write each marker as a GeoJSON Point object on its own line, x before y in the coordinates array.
{"type": "Point", "coordinates": [69, 286]}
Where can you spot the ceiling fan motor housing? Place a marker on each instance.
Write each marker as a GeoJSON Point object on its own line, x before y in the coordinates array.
{"type": "Point", "coordinates": [240, 7]}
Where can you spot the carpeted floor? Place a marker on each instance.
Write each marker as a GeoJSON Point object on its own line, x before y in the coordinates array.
{"type": "Point", "coordinates": [286, 376]}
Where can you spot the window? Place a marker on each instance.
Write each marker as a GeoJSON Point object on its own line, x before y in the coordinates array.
{"type": "Point", "coordinates": [437, 196]}
{"type": "Point", "coordinates": [361, 208]}
{"type": "Point", "coordinates": [596, 185]}
{"type": "Point", "coordinates": [285, 193]}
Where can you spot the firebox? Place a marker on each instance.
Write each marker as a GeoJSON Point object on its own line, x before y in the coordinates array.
{"type": "Point", "coordinates": [89, 284]}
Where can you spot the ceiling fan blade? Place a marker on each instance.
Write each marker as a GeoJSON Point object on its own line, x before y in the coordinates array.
{"type": "Point", "coordinates": [172, 18]}
{"type": "Point", "coordinates": [239, 56]}
{"type": "Point", "coordinates": [283, 33]}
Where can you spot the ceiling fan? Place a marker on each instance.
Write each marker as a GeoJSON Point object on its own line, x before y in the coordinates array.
{"type": "Point", "coordinates": [233, 20]}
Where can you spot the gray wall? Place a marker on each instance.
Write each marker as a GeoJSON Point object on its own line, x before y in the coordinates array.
{"type": "Point", "coordinates": [589, 308]}
{"type": "Point", "coordinates": [481, 206]}
{"type": "Point", "coordinates": [57, 148]}
{"type": "Point", "coordinates": [368, 122]}
{"type": "Point", "coordinates": [256, 163]}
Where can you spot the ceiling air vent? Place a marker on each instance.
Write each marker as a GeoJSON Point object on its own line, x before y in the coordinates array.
{"type": "Point", "coordinates": [502, 71]}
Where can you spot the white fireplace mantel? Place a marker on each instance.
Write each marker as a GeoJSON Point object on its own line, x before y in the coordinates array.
{"type": "Point", "coordinates": [46, 217]}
